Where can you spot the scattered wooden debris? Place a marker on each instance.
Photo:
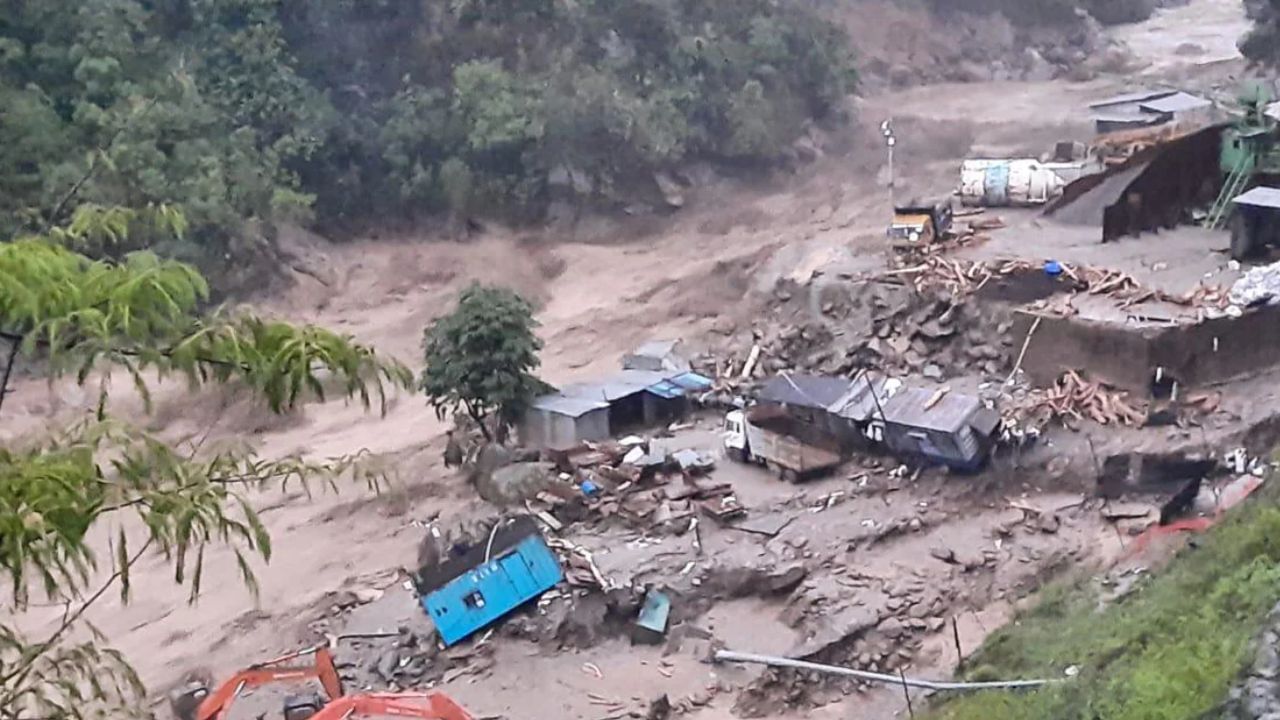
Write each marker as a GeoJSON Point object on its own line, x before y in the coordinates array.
{"type": "Point", "coordinates": [1072, 398]}
{"type": "Point", "coordinates": [579, 565]}
{"type": "Point", "coordinates": [963, 277]}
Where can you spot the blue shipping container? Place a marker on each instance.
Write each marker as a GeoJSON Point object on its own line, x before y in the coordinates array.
{"type": "Point", "coordinates": [483, 595]}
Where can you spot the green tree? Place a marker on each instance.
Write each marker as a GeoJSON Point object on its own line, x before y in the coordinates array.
{"type": "Point", "coordinates": [480, 358]}
{"type": "Point", "coordinates": [247, 113]}
{"type": "Point", "coordinates": [754, 130]}
{"type": "Point", "coordinates": [141, 314]}
{"type": "Point", "coordinates": [1262, 43]}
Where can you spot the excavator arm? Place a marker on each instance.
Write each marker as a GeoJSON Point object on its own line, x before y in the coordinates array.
{"type": "Point", "coordinates": [427, 706]}
{"type": "Point", "coordinates": [216, 705]}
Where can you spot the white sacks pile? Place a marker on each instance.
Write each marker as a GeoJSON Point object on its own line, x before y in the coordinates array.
{"type": "Point", "coordinates": [1261, 284]}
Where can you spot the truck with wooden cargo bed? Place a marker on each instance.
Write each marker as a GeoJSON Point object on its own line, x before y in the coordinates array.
{"type": "Point", "coordinates": [767, 435]}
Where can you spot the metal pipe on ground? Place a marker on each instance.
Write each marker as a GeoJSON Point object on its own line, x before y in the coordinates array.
{"type": "Point", "coordinates": [773, 661]}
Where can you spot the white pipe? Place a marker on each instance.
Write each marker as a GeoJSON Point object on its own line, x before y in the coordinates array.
{"type": "Point", "coordinates": [730, 656]}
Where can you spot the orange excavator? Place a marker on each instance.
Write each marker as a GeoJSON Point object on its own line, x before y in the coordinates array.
{"type": "Point", "coordinates": [196, 702]}
{"type": "Point", "coordinates": [433, 705]}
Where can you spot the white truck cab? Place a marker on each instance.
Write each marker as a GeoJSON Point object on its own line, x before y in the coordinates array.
{"type": "Point", "coordinates": [735, 434]}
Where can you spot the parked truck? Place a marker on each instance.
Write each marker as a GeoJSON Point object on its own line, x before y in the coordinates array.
{"type": "Point", "coordinates": [769, 436]}
{"type": "Point", "coordinates": [920, 224]}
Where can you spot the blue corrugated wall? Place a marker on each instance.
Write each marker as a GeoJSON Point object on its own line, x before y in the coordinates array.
{"type": "Point", "coordinates": [481, 596]}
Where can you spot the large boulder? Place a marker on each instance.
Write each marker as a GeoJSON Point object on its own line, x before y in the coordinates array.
{"type": "Point", "coordinates": [513, 484]}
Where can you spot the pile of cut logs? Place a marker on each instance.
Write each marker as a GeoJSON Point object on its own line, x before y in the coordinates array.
{"type": "Point", "coordinates": [1072, 398]}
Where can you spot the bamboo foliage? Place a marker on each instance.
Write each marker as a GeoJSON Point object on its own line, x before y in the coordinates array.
{"type": "Point", "coordinates": [77, 677]}
{"type": "Point", "coordinates": [142, 314]}
{"type": "Point", "coordinates": [102, 481]}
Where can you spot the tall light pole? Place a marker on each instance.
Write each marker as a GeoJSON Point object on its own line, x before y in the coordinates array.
{"type": "Point", "coordinates": [886, 129]}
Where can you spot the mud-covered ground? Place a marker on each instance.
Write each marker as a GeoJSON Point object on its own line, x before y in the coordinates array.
{"type": "Point", "coordinates": [703, 273]}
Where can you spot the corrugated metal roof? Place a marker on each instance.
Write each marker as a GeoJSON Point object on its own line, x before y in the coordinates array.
{"type": "Point", "coordinates": [693, 381]}
{"type": "Point", "coordinates": [948, 415]}
{"type": "Point", "coordinates": [573, 407]}
{"type": "Point", "coordinates": [629, 382]}
{"type": "Point", "coordinates": [1175, 103]}
{"type": "Point", "coordinates": [810, 391]}
{"type": "Point", "coordinates": [1133, 97]}
{"type": "Point", "coordinates": [614, 387]}
{"type": "Point", "coordinates": [851, 399]}
{"type": "Point", "coordinates": [666, 390]}
{"type": "Point", "coordinates": [1135, 119]}
{"type": "Point", "coordinates": [1261, 196]}
{"type": "Point", "coordinates": [860, 403]}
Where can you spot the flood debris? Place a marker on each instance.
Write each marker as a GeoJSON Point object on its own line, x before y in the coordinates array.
{"type": "Point", "coordinates": [1073, 399]}
{"type": "Point", "coordinates": [1259, 286]}
{"type": "Point", "coordinates": [1114, 511]}
{"type": "Point", "coordinates": [650, 626]}
{"type": "Point", "coordinates": [484, 583]}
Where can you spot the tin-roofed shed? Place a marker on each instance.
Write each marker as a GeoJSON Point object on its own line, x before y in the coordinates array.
{"type": "Point", "coordinates": [1267, 197]}
{"type": "Point", "coordinates": [1140, 109]}
{"type": "Point", "coordinates": [953, 429]}
{"type": "Point", "coordinates": [591, 411]}
{"type": "Point", "coordinates": [826, 408]}
{"type": "Point", "coordinates": [560, 422]}
{"type": "Point", "coordinates": [856, 399]}
{"type": "Point", "coordinates": [1130, 98]}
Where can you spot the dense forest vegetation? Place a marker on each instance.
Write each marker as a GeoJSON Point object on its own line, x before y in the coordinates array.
{"type": "Point", "coordinates": [1058, 12]}
{"type": "Point", "coordinates": [245, 112]}
{"type": "Point", "coordinates": [1262, 44]}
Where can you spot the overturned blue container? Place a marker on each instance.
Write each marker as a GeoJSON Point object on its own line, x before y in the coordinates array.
{"type": "Point", "coordinates": [468, 593]}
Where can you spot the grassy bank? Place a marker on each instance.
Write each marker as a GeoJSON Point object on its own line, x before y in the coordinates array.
{"type": "Point", "coordinates": [1168, 651]}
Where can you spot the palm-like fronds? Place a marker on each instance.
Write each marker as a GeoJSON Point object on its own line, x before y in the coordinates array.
{"type": "Point", "coordinates": [144, 315]}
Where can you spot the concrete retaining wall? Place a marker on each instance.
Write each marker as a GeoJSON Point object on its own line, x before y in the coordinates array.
{"type": "Point", "coordinates": [1197, 355]}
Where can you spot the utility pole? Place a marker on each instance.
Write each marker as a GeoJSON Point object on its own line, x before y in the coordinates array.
{"type": "Point", "coordinates": [886, 129]}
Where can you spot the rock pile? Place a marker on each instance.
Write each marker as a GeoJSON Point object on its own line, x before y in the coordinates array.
{"type": "Point", "coordinates": [881, 632]}
{"type": "Point", "coordinates": [409, 659]}
{"type": "Point", "coordinates": [841, 329]}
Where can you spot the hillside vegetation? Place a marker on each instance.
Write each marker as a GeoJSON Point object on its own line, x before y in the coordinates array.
{"type": "Point", "coordinates": [1262, 44]}
{"type": "Point", "coordinates": [1058, 12]}
{"type": "Point", "coordinates": [1170, 650]}
{"type": "Point", "coordinates": [243, 112]}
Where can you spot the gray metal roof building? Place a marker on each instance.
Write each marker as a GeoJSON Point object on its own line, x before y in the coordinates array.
{"type": "Point", "coordinates": [588, 411]}
{"type": "Point", "coordinates": [1261, 196]}
{"type": "Point", "coordinates": [1178, 102]}
{"type": "Point", "coordinates": [851, 399]}
{"type": "Point", "coordinates": [1130, 98]}
{"type": "Point", "coordinates": [560, 422]}
{"type": "Point", "coordinates": [950, 413]}
{"type": "Point", "coordinates": [1146, 108]}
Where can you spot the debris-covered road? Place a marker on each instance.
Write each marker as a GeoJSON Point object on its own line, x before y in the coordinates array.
{"type": "Point", "coordinates": [861, 569]}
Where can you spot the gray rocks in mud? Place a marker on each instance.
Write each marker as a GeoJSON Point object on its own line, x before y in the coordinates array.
{"type": "Point", "coordinates": [513, 483]}
{"type": "Point", "coordinates": [837, 329]}
{"type": "Point", "coordinates": [738, 581]}
{"type": "Point", "coordinates": [1257, 696]}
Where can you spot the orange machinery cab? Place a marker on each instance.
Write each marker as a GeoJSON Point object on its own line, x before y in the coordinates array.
{"type": "Point", "coordinates": [216, 705]}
